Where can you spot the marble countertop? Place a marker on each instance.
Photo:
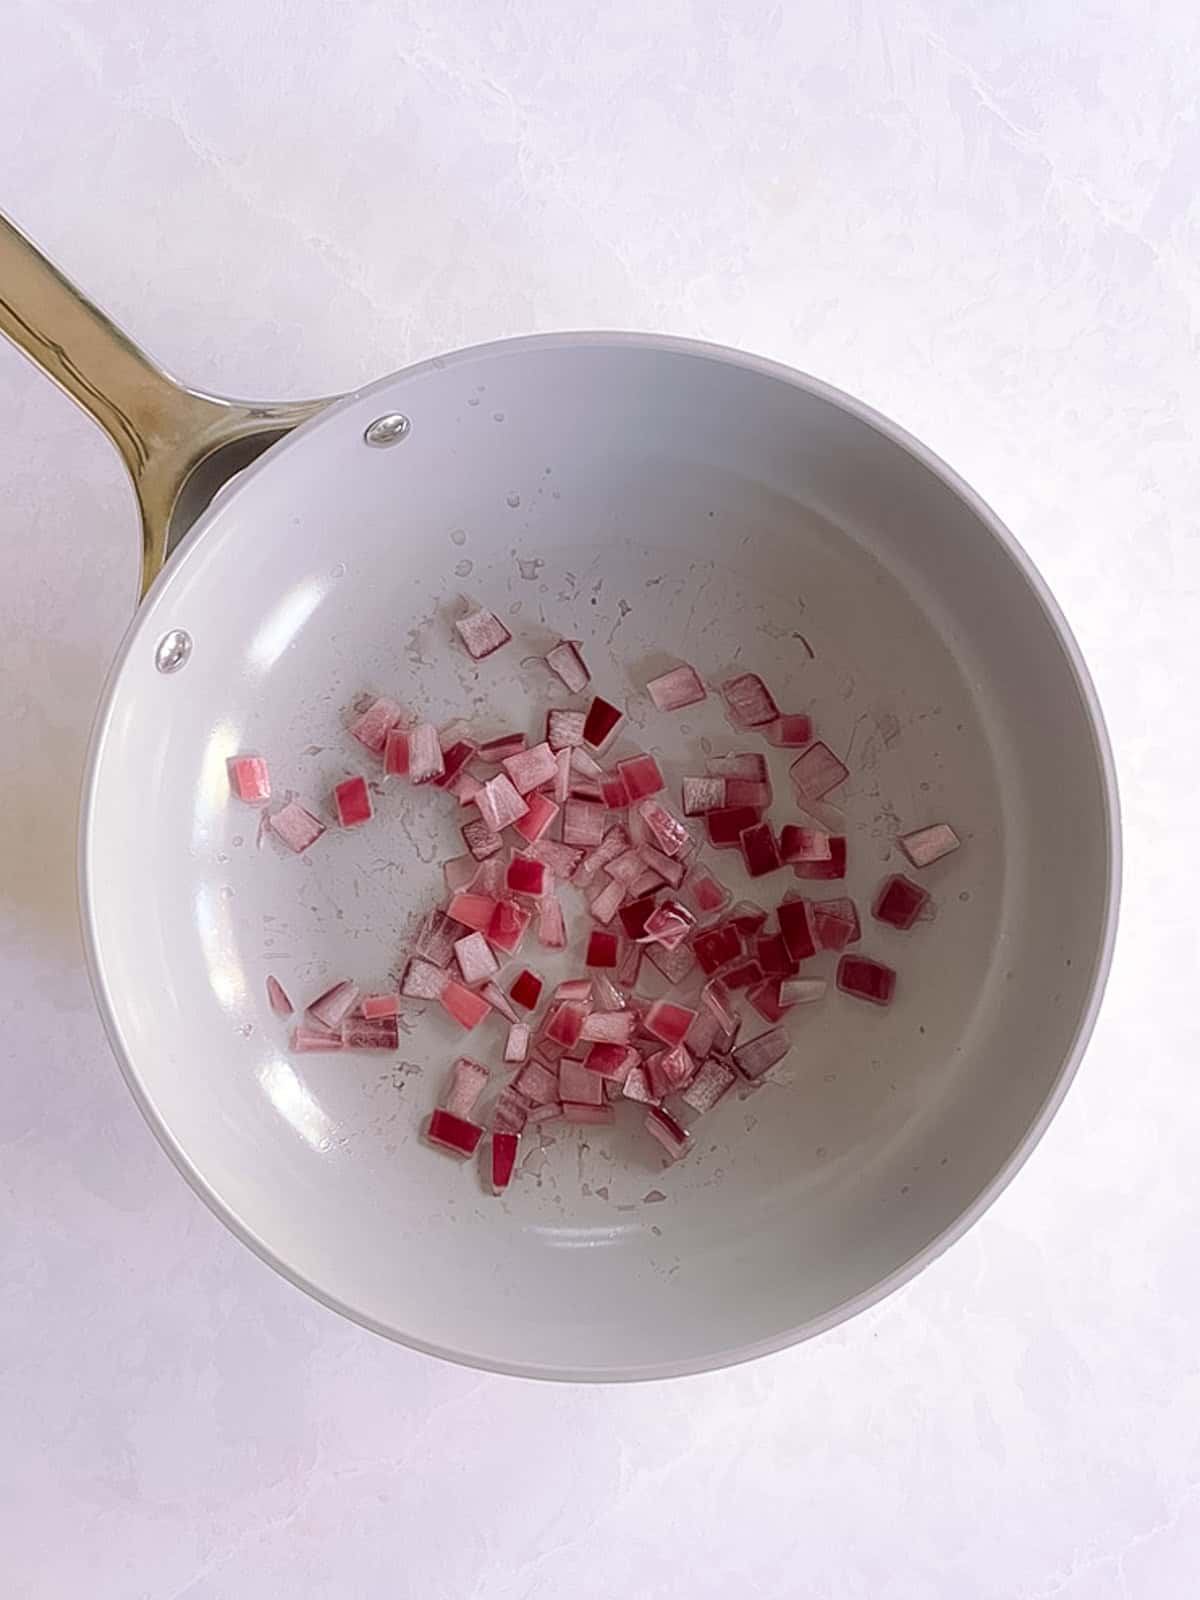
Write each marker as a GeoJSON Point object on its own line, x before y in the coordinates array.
{"type": "Point", "coordinates": [982, 219]}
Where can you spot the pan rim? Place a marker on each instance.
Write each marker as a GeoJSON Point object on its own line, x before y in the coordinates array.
{"type": "Point", "coordinates": [715, 1360]}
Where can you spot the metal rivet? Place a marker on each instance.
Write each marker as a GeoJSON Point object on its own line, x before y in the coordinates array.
{"type": "Point", "coordinates": [388, 430]}
{"type": "Point", "coordinates": [173, 650]}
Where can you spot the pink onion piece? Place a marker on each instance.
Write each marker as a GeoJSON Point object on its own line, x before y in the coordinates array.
{"type": "Point", "coordinates": [669, 869]}
{"type": "Point", "coordinates": [277, 998]}
{"type": "Point", "coordinates": [606, 900]}
{"type": "Point", "coordinates": [899, 902]}
{"type": "Point", "coordinates": [307, 1041]}
{"type": "Point", "coordinates": [565, 1023]}
{"type": "Point", "coordinates": [641, 777]}
{"type": "Point", "coordinates": [537, 1083]}
{"type": "Point", "coordinates": [670, 835]}
{"type": "Point", "coordinates": [541, 813]}
{"type": "Point", "coordinates": [718, 947]}
{"type": "Point", "coordinates": [668, 1021]}
{"type": "Point", "coordinates": [470, 910]}
{"type": "Point", "coordinates": [866, 979]}
{"type": "Point", "coordinates": [747, 792]}
{"type": "Point", "coordinates": [759, 1055]}
{"type": "Point", "coordinates": [395, 753]}
{"type": "Point", "coordinates": [525, 875]}
{"type": "Point", "coordinates": [435, 942]}
{"type": "Point", "coordinates": [631, 966]}
{"type": "Point", "coordinates": [601, 1116]}
{"type": "Point", "coordinates": [480, 839]}
{"type": "Point", "coordinates": [530, 769]}
{"type": "Point", "coordinates": [583, 822]}
{"type": "Point", "coordinates": [675, 1066]}
{"type": "Point", "coordinates": [613, 844]}
{"type": "Point", "coordinates": [562, 859]}
{"type": "Point", "coordinates": [551, 929]}
{"type": "Point", "coordinates": [669, 924]}
{"type": "Point", "coordinates": [375, 1007]}
{"type": "Point", "coordinates": [747, 765]}
{"type": "Point", "coordinates": [602, 721]}
{"type": "Point", "coordinates": [605, 994]}
{"type": "Point", "coordinates": [516, 1046]}
{"type": "Point", "coordinates": [749, 702]}
{"type": "Point", "coordinates": [453, 1133]}
{"type": "Point", "coordinates": [508, 926]}
{"type": "Point", "coordinates": [425, 761]}
{"type": "Point", "coordinates": [372, 726]}
{"type": "Point", "coordinates": [675, 965]}
{"type": "Point", "coordinates": [835, 923]}
{"type": "Point", "coordinates": [713, 1081]}
{"type": "Point", "coordinates": [475, 959]}
{"type": "Point", "coordinates": [465, 788]}
{"type": "Point", "coordinates": [337, 1002]}
{"type": "Point", "coordinates": [716, 998]}
{"type": "Point", "coordinates": [759, 850]}
{"type": "Point", "coordinates": [816, 772]}
{"type": "Point", "coordinates": [371, 1033]}
{"type": "Point", "coordinates": [767, 999]}
{"type": "Point", "coordinates": [667, 1131]}
{"type": "Point", "coordinates": [566, 662]}
{"type": "Point", "coordinates": [468, 1080]}
{"type": "Point", "coordinates": [423, 981]}
{"type": "Point", "coordinates": [803, 844]}
{"type": "Point", "coordinates": [613, 791]}
{"type": "Point", "coordinates": [482, 632]}
{"type": "Point", "coordinates": [637, 1087]}
{"type": "Point", "coordinates": [455, 755]}
{"type": "Point", "coordinates": [499, 802]}
{"type": "Point", "coordinates": [675, 689]}
{"type": "Point", "coordinates": [602, 949]}
{"type": "Point", "coordinates": [626, 868]}
{"type": "Point", "coordinates": [547, 1113]}
{"type": "Point", "coordinates": [703, 794]}
{"type": "Point", "coordinates": [564, 729]}
{"type": "Point", "coordinates": [250, 779]}
{"type": "Point", "coordinates": [708, 894]}
{"type": "Point", "coordinates": [510, 1113]}
{"type": "Point", "coordinates": [801, 991]}
{"type": "Point", "coordinates": [493, 751]}
{"type": "Point", "coordinates": [352, 801]}
{"type": "Point", "coordinates": [609, 1027]}
{"type": "Point", "coordinates": [578, 1085]}
{"type": "Point", "coordinates": [459, 871]}
{"type": "Point", "coordinates": [466, 1007]}
{"type": "Point", "coordinates": [927, 845]}
{"type": "Point", "coordinates": [296, 827]}
{"type": "Point", "coordinates": [702, 1036]}
{"type": "Point", "coordinates": [574, 989]}
{"type": "Point", "coordinates": [585, 766]}
{"type": "Point", "coordinates": [504, 1157]}
{"type": "Point", "coordinates": [499, 1001]}
{"type": "Point", "coordinates": [790, 732]}
{"type": "Point", "coordinates": [562, 777]}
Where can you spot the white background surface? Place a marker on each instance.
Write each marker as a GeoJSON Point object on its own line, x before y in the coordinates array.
{"type": "Point", "coordinates": [982, 219]}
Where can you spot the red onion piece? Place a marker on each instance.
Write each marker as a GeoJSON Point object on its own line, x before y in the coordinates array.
{"type": "Point", "coordinates": [504, 1157]}
{"type": "Point", "coordinates": [579, 1086]}
{"type": "Point", "coordinates": [675, 965]}
{"type": "Point", "coordinates": [708, 894]}
{"type": "Point", "coordinates": [641, 777]}
{"type": "Point", "coordinates": [743, 975]}
{"type": "Point", "coordinates": [376, 1006]}
{"type": "Point", "coordinates": [551, 929]}
{"type": "Point", "coordinates": [574, 989]}
{"type": "Point", "coordinates": [562, 859]}
{"type": "Point", "coordinates": [561, 788]}
{"type": "Point", "coordinates": [423, 981]}
{"type": "Point", "coordinates": [466, 1007]}
{"type": "Point", "coordinates": [803, 844]}
{"type": "Point", "coordinates": [510, 1113]}
{"type": "Point", "coordinates": [747, 792]}
{"type": "Point", "coordinates": [759, 850]}
{"type": "Point", "coordinates": [537, 1083]}
{"type": "Point", "coordinates": [795, 924]}
{"type": "Point", "coordinates": [465, 788]}
{"type": "Point", "coordinates": [631, 965]}
{"type": "Point", "coordinates": [277, 998]}
{"type": "Point", "coordinates": [585, 766]}
{"type": "Point", "coordinates": [472, 911]}
{"type": "Point", "coordinates": [307, 1041]}
{"type": "Point", "coordinates": [927, 845]}
{"type": "Point", "coordinates": [713, 1081]}
{"type": "Point", "coordinates": [866, 979]}
{"type": "Point", "coordinates": [725, 827]}
{"type": "Point", "coordinates": [363, 1033]}
{"type": "Point", "coordinates": [526, 990]}
{"type": "Point", "coordinates": [489, 879]}
{"type": "Point", "coordinates": [296, 827]}
{"type": "Point", "coordinates": [669, 924]}
{"type": "Point", "coordinates": [759, 1055]}
{"type": "Point", "coordinates": [834, 923]}
{"type": "Point", "coordinates": [669, 833]}
{"type": "Point", "coordinates": [395, 753]}
{"type": "Point", "coordinates": [250, 779]}
{"type": "Point", "coordinates": [453, 1133]}
{"type": "Point", "coordinates": [601, 1115]}
{"type": "Point", "coordinates": [601, 949]}
{"type": "Point", "coordinates": [834, 867]}
{"type": "Point", "coordinates": [564, 729]}
{"type": "Point", "coordinates": [613, 844]}
{"type": "Point", "coordinates": [468, 1080]}
{"type": "Point", "coordinates": [567, 663]}
{"type": "Point", "coordinates": [669, 870]}
{"type": "Point", "coordinates": [372, 726]}
{"type": "Point", "coordinates": [435, 942]}
{"type": "Point", "coordinates": [602, 720]}
{"type": "Point", "coordinates": [455, 756]}
{"type": "Point", "coordinates": [801, 991]}
{"type": "Point", "coordinates": [516, 1046]}
{"type": "Point", "coordinates": [626, 868]}
{"type": "Point", "coordinates": [790, 732]}
{"type": "Point", "coordinates": [565, 1022]}
{"type": "Point", "coordinates": [552, 1112]}
{"type": "Point", "coordinates": [337, 1002]}
{"type": "Point", "coordinates": [529, 770]}
{"type": "Point", "coordinates": [609, 1027]}
{"type": "Point", "coordinates": [583, 822]}
{"type": "Point", "coordinates": [766, 999]}
{"type": "Point", "coordinates": [899, 902]}
{"type": "Point", "coordinates": [481, 840]}
{"type": "Point", "coordinates": [773, 956]}
{"type": "Point", "coordinates": [541, 813]}
{"type": "Point", "coordinates": [675, 689]}
{"type": "Point", "coordinates": [668, 1021]}
{"type": "Point", "coordinates": [508, 926]}
{"type": "Point", "coordinates": [424, 754]}
{"type": "Point", "coordinates": [352, 802]}
{"type": "Point", "coordinates": [637, 1087]}
{"type": "Point", "coordinates": [482, 632]}
{"type": "Point", "coordinates": [613, 791]}
{"type": "Point", "coordinates": [498, 801]}
{"type": "Point", "coordinates": [475, 960]}
{"type": "Point", "coordinates": [748, 765]}
{"type": "Point", "coordinates": [493, 751]}
{"type": "Point", "coordinates": [527, 876]}
{"type": "Point", "coordinates": [703, 794]}
{"type": "Point", "coordinates": [717, 947]}
{"type": "Point", "coordinates": [749, 702]}
{"type": "Point", "coordinates": [667, 1131]}
{"type": "Point", "coordinates": [633, 916]}
{"type": "Point", "coordinates": [816, 772]}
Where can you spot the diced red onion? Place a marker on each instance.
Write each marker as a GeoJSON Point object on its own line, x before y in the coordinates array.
{"type": "Point", "coordinates": [579, 1086]}
{"type": "Point", "coordinates": [670, 870]}
{"type": "Point", "coordinates": [574, 989]}
{"type": "Point", "coordinates": [637, 1087]}
{"type": "Point", "coordinates": [395, 753]}
{"type": "Point", "coordinates": [669, 833]}
{"type": "Point", "coordinates": [668, 1021]}
{"type": "Point", "coordinates": [516, 1046]}
{"type": "Point", "coordinates": [527, 876]}
{"type": "Point", "coordinates": [526, 990]}
{"type": "Point", "coordinates": [759, 850]}
{"type": "Point", "coordinates": [601, 949]}
{"type": "Point", "coordinates": [510, 1113]}
{"type": "Point", "coordinates": [296, 827]}
{"type": "Point", "coordinates": [626, 867]}
{"type": "Point", "coordinates": [498, 1000]}
{"type": "Point", "coordinates": [748, 765]}
{"type": "Point", "coordinates": [504, 1157]}
{"type": "Point", "coordinates": [816, 772]}
{"type": "Point", "coordinates": [747, 792]}
{"type": "Point", "coordinates": [669, 924]}
{"type": "Point", "coordinates": [725, 827]}
{"type": "Point", "coordinates": [675, 965]}
{"type": "Point", "coordinates": [675, 689]}
{"type": "Point", "coordinates": [565, 1022]}
{"type": "Point", "coordinates": [801, 991]}
{"type": "Point", "coordinates": [567, 663]}
{"type": "Point", "coordinates": [562, 859]}
{"type": "Point", "coordinates": [455, 756]}
{"type": "Point", "coordinates": [803, 844]}
{"type": "Point", "coordinates": [606, 900]}
{"type": "Point", "coordinates": [601, 1115]}
{"type": "Point", "coordinates": [927, 845]}
{"type": "Point", "coordinates": [605, 994]}
{"type": "Point", "coordinates": [423, 981]}
{"type": "Point", "coordinates": [715, 997]}
{"type": "Point", "coordinates": [551, 929]}
{"type": "Point", "coordinates": [717, 947]}
{"type": "Point", "coordinates": [489, 879]}
{"type": "Point", "coordinates": [475, 959]}
{"type": "Point", "coordinates": [493, 751]}
{"type": "Point", "coordinates": [641, 777]}
{"type": "Point", "coordinates": [585, 766]}
{"type": "Point", "coordinates": [586, 789]}
{"type": "Point", "coordinates": [250, 779]}
{"type": "Point", "coordinates": [743, 975]}
{"type": "Point", "coordinates": [508, 926]}
{"type": "Point", "coordinates": [583, 822]}
{"type": "Point", "coordinates": [835, 923]}
{"type": "Point", "coordinates": [667, 1131]}
{"type": "Point", "coordinates": [480, 839]}
{"type": "Point", "coordinates": [613, 791]}
{"type": "Point", "coordinates": [834, 867]}
{"type": "Point", "coordinates": [708, 894]}
{"type": "Point", "coordinates": [453, 1133]}
{"type": "Point", "coordinates": [609, 1027]}
{"type": "Point", "coordinates": [766, 999]}
{"type": "Point", "coordinates": [473, 911]}
{"type": "Point", "coordinates": [795, 924]}
{"type": "Point", "coordinates": [613, 844]}
{"type": "Point", "coordinates": [366, 1033]}
{"type": "Point", "coordinates": [352, 801]}
{"type": "Point", "coordinates": [899, 902]}
{"type": "Point", "coordinates": [375, 1006]}
{"type": "Point", "coordinates": [702, 1036]}
{"type": "Point", "coordinates": [634, 914]}
{"type": "Point", "coordinates": [372, 726]}
{"type": "Point", "coordinates": [337, 1002]}
{"type": "Point", "coordinates": [541, 813]}
{"type": "Point", "coordinates": [774, 957]}
{"type": "Point", "coordinates": [424, 754]}
{"type": "Point", "coordinates": [561, 788]}
{"type": "Point", "coordinates": [529, 769]}
{"type": "Point", "coordinates": [468, 1080]}
{"type": "Point", "coordinates": [602, 720]}
{"type": "Point", "coordinates": [631, 965]}
{"type": "Point", "coordinates": [277, 998]}
{"type": "Point", "coordinates": [466, 1007]}
{"type": "Point", "coordinates": [537, 1083]}
{"type": "Point", "coordinates": [459, 871]}
{"type": "Point", "coordinates": [703, 794]}
{"type": "Point", "coordinates": [713, 1081]}
{"type": "Point", "coordinates": [790, 732]}
{"type": "Point", "coordinates": [498, 801]}
{"type": "Point", "coordinates": [465, 788]}
{"type": "Point", "coordinates": [675, 1065]}
{"type": "Point", "coordinates": [866, 979]}
{"type": "Point", "coordinates": [482, 632]}
{"type": "Point", "coordinates": [749, 702]}
{"type": "Point", "coordinates": [759, 1055]}
{"type": "Point", "coordinates": [564, 729]}
{"type": "Point", "coordinates": [307, 1041]}
{"type": "Point", "coordinates": [645, 882]}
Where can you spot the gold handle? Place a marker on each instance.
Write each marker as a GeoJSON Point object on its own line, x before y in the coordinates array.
{"type": "Point", "coordinates": [179, 445]}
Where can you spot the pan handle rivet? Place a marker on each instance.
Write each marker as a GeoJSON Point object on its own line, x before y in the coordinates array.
{"type": "Point", "coordinates": [173, 650]}
{"type": "Point", "coordinates": [388, 430]}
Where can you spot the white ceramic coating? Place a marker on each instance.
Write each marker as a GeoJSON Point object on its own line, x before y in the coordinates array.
{"type": "Point", "coordinates": [659, 501]}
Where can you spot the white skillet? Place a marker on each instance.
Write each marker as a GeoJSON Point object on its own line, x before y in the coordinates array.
{"type": "Point", "coordinates": [659, 500]}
